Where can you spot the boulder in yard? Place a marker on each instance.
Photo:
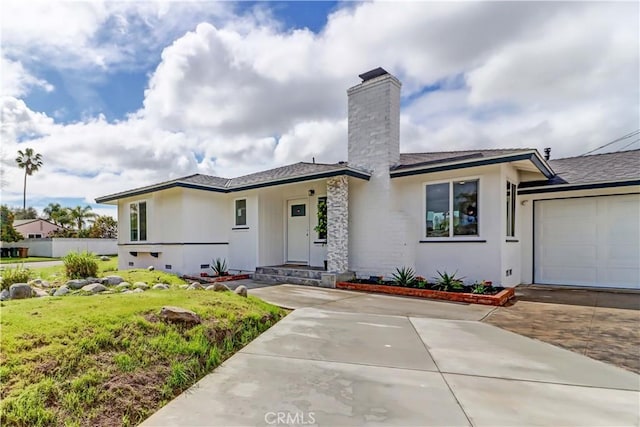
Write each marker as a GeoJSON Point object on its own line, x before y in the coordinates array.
{"type": "Point", "coordinates": [104, 258]}
{"type": "Point", "coordinates": [241, 290]}
{"type": "Point", "coordinates": [4, 295]}
{"type": "Point", "coordinates": [76, 283]}
{"type": "Point", "coordinates": [137, 291]}
{"type": "Point", "coordinates": [151, 268]}
{"type": "Point", "coordinates": [20, 291]}
{"type": "Point", "coordinates": [40, 283]}
{"type": "Point", "coordinates": [179, 314]}
{"type": "Point", "coordinates": [113, 280]}
{"type": "Point", "coordinates": [162, 286]}
{"type": "Point", "coordinates": [195, 286]}
{"type": "Point", "coordinates": [94, 288]}
{"type": "Point", "coordinates": [123, 285]}
{"type": "Point", "coordinates": [141, 285]}
{"type": "Point", "coordinates": [37, 292]}
{"type": "Point", "coordinates": [218, 287]}
{"type": "Point", "coordinates": [62, 290]}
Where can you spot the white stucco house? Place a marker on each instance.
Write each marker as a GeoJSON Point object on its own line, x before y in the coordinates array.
{"type": "Point", "coordinates": [506, 215]}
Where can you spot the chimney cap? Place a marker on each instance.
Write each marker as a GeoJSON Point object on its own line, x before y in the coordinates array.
{"type": "Point", "coordinates": [377, 72]}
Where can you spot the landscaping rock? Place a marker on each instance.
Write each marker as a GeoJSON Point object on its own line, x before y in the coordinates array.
{"type": "Point", "coordinates": [179, 314]}
{"type": "Point", "coordinates": [141, 285]}
{"type": "Point", "coordinates": [113, 280]}
{"type": "Point", "coordinates": [20, 291]}
{"type": "Point", "coordinates": [123, 285]}
{"type": "Point", "coordinates": [195, 286]}
{"type": "Point", "coordinates": [94, 288]}
{"type": "Point", "coordinates": [151, 268]}
{"type": "Point", "coordinates": [218, 287]}
{"type": "Point", "coordinates": [40, 283]}
{"type": "Point", "coordinates": [241, 290]}
{"type": "Point", "coordinates": [37, 292]}
{"type": "Point", "coordinates": [62, 290]}
{"type": "Point", "coordinates": [127, 291]}
{"type": "Point", "coordinates": [137, 291]}
{"type": "Point", "coordinates": [161, 286]}
{"type": "Point", "coordinates": [4, 295]}
{"type": "Point", "coordinates": [184, 286]}
{"type": "Point", "coordinates": [104, 258]}
{"type": "Point", "coordinates": [76, 283]}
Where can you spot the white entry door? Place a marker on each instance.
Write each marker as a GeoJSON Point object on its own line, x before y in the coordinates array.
{"type": "Point", "coordinates": [297, 231]}
{"type": "Point", "coordinates": [590, 241]}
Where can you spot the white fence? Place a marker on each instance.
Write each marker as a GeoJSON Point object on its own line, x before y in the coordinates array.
{"type": "Point", "coordinates": [59, 247]}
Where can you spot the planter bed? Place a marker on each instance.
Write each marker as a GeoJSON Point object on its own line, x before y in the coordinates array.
{"type": "Point", "coordinates": [499, 298]}
{"type": "Point", "coordinates": [214, 279]}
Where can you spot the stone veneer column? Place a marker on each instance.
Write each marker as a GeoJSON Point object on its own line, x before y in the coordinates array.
{"type": "Point", "coordinates": [338, 224]}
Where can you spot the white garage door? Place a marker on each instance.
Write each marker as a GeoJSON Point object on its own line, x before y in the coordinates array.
{"type": "Point", "coordinates": [590, 241]}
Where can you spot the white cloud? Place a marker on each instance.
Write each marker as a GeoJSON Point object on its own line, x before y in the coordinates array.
{"type": "Point", "coordinates": [240, 93]}
{"type": "Point", "coordinates": [16, 81]}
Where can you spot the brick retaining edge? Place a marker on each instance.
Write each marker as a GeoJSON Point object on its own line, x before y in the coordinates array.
{"type": "Point", "coordinates": [498, 299]}
{"type": "Point", "coordinates": [218, 279]}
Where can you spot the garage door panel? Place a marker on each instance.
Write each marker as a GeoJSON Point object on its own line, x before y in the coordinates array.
{"type": "Point", "coordinates": [591, 241]}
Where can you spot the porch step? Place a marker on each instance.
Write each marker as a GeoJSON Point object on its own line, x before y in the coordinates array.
{"type": "Point", "coordinates": [303, 273]}
{"type": "Point", "coordinates": [277, 278]}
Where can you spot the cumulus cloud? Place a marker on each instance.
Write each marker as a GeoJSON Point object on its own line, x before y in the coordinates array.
{"type": "Point", "coordinates": [235, 94]}
{"type": "Point", "coordinates": [16, 81]}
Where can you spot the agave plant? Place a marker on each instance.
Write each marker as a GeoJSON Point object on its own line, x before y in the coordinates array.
{"type": "Point", "coordinates": [404, 276]}
{"type": "Point", "coordinates": [219, 267]}
{"type": "Point", "coordinates": [448, 282]}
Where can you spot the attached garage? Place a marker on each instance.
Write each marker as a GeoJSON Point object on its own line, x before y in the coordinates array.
{"type": "Point", "coordinates": [588, 241]}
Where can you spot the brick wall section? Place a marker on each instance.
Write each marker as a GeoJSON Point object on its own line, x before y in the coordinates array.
{"type": "Point", "coordinates": [338, 224]}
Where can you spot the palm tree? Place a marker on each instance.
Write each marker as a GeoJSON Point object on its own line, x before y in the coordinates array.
{"type": "Point", "coordinates": [79, 214]}
{"type": "Point", "coordinates": [52, 212]}
{"type": "Point", "coordinates": [30, 162]}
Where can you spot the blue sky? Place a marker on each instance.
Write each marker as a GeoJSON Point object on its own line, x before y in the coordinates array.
{"type": "Point", "coordinates": [118, 95]}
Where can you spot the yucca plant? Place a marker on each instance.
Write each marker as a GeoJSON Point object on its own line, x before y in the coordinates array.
{"type": "Point", "coordinates": [448, 282]}
{"type": "Point", "coordinates": [404, 276]}
{"type": "Point", "coordinates": [219, 267]}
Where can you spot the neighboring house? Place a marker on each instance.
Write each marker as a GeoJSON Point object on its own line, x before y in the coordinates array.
{"type": "Point", "coordinates": [505, 215]}
{"type": "Point", "coordinates": [35, 228]}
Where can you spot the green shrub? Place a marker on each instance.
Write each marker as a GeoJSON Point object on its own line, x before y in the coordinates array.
{"type": "Point", "coordinates": [404, 276]}
{"type": "Point", "coordinates": [448, 282]}
{"type": "Point", "coordinates": [79, 265]}
{"type": "Point", "coordinates": [219, 267]}
{"type": "Point", "coordinates": [20, 274]}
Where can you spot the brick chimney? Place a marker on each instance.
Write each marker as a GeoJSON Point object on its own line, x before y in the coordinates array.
{"type": "Point", "coordinates": [374, 122]}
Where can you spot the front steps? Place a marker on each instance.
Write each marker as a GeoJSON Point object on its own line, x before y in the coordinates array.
{"type": "Point", "coordinates": [301, 275]}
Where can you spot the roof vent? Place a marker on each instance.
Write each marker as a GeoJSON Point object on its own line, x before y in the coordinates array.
{"type": "Point", "coordinates": [547, 153]}
{"type": "Point", "coordinates": [373, 74]}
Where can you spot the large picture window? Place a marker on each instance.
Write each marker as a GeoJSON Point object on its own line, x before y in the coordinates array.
{"type": "Point", "coordinates": [241, 212]}
{"type": "Point", "coordinates": [452, 209]}
{"type": "Point", "coordinates": [511, 209]}
{"type": "Point", "coordinates": [138, 221]}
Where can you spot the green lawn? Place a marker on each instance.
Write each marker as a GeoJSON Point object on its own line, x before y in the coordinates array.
{"type": "Point", "coordinates": [108, 360]}
{"type": "Point", "coordinates": [8, 260]}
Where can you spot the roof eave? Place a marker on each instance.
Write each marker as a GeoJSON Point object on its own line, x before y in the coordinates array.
{"type": "Point", "coordinates": [533, 156]}
{"type": "Point", "coordinates": [578, 186]}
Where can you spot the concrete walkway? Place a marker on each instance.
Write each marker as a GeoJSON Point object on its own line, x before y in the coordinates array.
{"type": "Point", "coordinates": [333, 368]}
{"type": "Point", "coordinates": [39, 264]}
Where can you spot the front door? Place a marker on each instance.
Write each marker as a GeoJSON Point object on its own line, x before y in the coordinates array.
{"type": "Point", "coordinates": [297, 232]}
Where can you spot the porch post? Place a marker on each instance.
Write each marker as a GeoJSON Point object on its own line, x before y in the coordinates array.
{"type": "Point", "coordinates": [338, 224]}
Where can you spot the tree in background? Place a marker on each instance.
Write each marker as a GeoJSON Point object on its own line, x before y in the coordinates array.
{"type": "Point", "coordinates": [57, 214]}
{"type": "Point", "coordinates": [28, 213]}
{"type": "Point", "coordinates": [30, 162]}
{"type": "Point", "coordinates": [104, 227]}
{"type": "Point", "coordinates": [8, 233]}
{"type": "Point", "coordinates": [79, 215]}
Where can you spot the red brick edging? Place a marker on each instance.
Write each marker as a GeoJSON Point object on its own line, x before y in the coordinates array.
{"type": "Point", "coordinates": [217, 279]}
{"type": "Point", "coordinates": [498, 299]}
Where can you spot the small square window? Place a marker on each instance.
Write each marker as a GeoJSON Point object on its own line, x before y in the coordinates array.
{"type": "Point", "coordinates": [298, 210]}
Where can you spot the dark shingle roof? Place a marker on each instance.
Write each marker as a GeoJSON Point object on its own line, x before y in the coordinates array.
{"type": "Point", "coordinates": [619, 166]}
{"type": "Point", "coordinates": [409, 160]}
{"type": "Point", "coordinates": [284, 172]}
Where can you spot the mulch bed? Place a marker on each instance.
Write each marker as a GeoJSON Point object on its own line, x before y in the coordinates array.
{"type": "Point", "coordinates": [500, 297]}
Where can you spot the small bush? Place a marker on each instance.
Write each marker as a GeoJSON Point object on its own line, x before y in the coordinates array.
{"type": "Point", "coordinates": [15, 275]}
{"type": "Point", "coordinates": [448, 282]}
{"type": "Point", "coordinates": [219, 267]}
{"type": "Point", "coordinates": [404, 276]}
{"type": "Point", "coordinates": [79, 265]}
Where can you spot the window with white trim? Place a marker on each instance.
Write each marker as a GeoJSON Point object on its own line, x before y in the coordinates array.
{"type": "Point", "coordinates": [511, 209]}
{"type": "Point", "coordinates": [451, 209]}
{"type": "Point", "coordinates": [138, 221]}
{"type": "Point", "coordinates": [240, 212]}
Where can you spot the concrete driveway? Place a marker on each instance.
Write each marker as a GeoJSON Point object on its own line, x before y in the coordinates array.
{"type": "Point", "coordinates": [334, 368]}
